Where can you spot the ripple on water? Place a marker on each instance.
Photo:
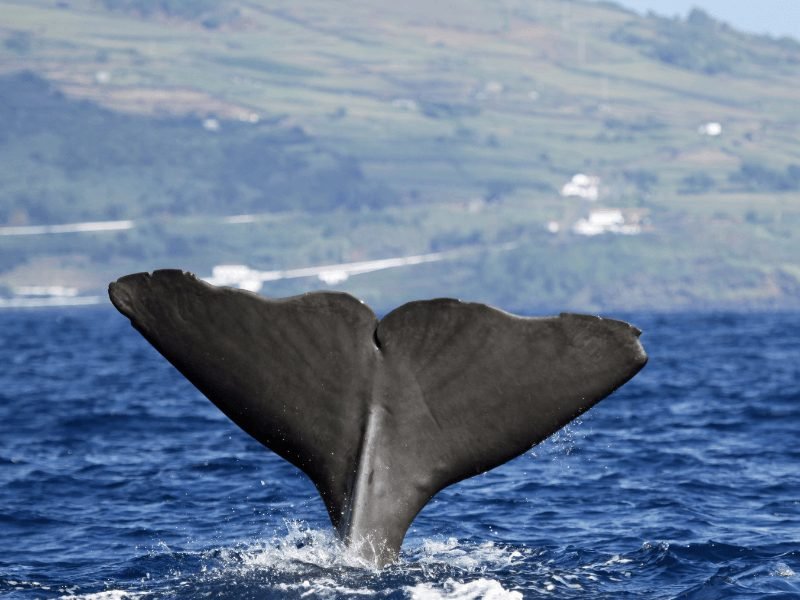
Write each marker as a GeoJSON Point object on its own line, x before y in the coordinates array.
{"type": "Point", "coordinates": [480, 589]}
{"type": "Point", "coordinates": [698, 455]}
{"type": "Point", "coordinates": [106, 595]}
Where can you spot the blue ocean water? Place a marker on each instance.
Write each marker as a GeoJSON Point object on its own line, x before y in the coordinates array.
{"type": "Point", "coordinates": [119, 480]}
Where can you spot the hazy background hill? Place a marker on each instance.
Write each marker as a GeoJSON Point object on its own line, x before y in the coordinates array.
{"type": "Point", "coordinates": [287, 134]}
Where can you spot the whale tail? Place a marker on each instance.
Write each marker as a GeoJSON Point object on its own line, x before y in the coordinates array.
{"type": "Point", "coordinates": [381, 415]}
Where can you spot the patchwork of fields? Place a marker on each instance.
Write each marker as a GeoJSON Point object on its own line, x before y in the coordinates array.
{"type": "Point", "coordinates": [381, 130]}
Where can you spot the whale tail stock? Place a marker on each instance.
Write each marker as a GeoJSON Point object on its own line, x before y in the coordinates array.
{"type": "Point", "coordinates": [381, 415]}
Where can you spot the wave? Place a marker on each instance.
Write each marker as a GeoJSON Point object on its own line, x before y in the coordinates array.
{"type": "Point", "coordinates": [480, 589]}
{"type": "Point", "coordinates": [308, 563]}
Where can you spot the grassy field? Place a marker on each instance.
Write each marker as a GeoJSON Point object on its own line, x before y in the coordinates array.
{"type": "Point", "coordinates": [388, 129]}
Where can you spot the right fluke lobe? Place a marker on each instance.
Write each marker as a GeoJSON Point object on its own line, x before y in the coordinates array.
{"type": "Point", "coordinates": [380, 415]}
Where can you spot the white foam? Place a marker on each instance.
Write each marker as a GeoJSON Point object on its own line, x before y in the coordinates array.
{"type": "Point", "coordinates": [295, 552]}
{"type": "Point", "coordinates": [323, 587]}
{"type": "Point", "coordinates": [315, 564]}
{"type": "Point", "coordinates": [783, 570]}
{"type": "Point", "coordinates": [451, 553]}
{"type": "Point", "coordinates": [107, 595]}
{"type": "Point", "coordinates": [311, 563]}
{"type": "Point", "coordinates": [104, 595]}
{"type": "Point", "coordinates": [479, 589]}
{"type": "Point", "coordinates": [305, 562]}
{"type": "Point", "coordinates": [614, 560]}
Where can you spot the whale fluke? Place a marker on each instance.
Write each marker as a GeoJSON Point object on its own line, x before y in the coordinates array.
{"type": "Point", "coordinates": [381, 415]}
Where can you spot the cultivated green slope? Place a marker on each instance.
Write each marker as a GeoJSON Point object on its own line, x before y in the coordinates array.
{"type": "Point", "coordinates": [372, 129]}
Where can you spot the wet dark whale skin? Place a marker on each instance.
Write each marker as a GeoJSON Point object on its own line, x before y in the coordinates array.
{"type": "Point", "coordinates": [381, 415]}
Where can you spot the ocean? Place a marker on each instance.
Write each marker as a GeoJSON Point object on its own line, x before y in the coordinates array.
{"type": "Point", "coordinates": [119, 480]}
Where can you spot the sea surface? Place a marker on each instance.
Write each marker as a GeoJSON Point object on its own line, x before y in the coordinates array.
{"type": "Point", "coordinates": [119, 480]}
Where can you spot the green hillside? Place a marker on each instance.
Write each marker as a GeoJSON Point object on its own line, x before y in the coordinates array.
{"type": "Point", "coordinates": [365, 130]}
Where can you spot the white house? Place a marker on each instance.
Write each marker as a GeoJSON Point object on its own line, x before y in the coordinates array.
{"type": "Point", "coordinates": [605, 220]}
{"type": "Point", "coordinates": [711, 129]}
{"type": "Point", "coordinates": [582, 186]}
